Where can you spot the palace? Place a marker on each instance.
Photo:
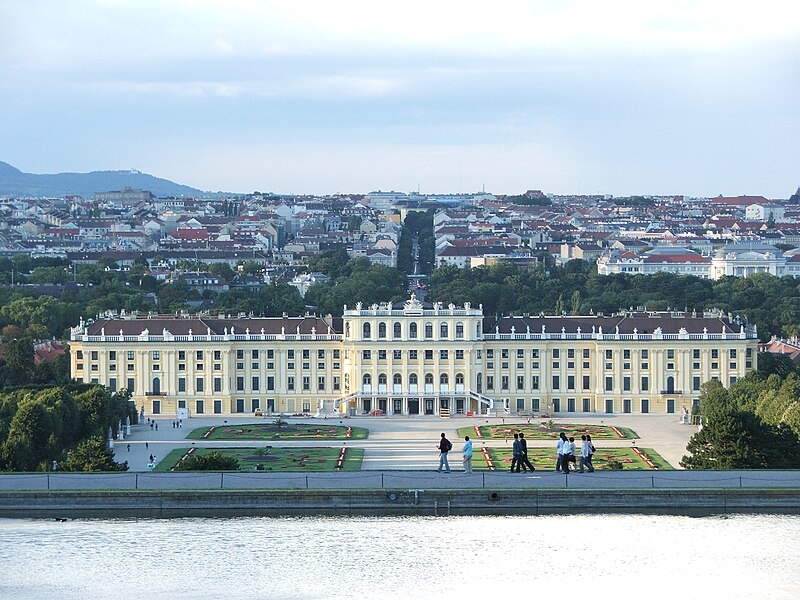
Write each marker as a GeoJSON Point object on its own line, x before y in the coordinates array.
{"type": "Point", "coordinates": [413, 359]}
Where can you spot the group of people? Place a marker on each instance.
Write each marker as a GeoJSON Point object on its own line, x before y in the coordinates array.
{"type": "Point", "coordinates": [519, 454]}
{"type": "Point", "coordinates": [444, 448]}
{"type": "Point", "coordinates": [566, 454]}
{"type": "Point", "coordinates": [519, 460]}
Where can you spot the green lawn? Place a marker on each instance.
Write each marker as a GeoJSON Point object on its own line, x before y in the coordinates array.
{"type": "Point", "coordinates": [277, 459]}
{"type": "Point", "coordinates": [545, 458]}
{"type": "Point", "coordinates": [270, 431]}
{"type": "Point", "coordinates": [549, 431]}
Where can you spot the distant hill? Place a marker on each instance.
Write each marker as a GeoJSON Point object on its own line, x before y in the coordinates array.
{"type": "Point", "coordinates": [14, 182]}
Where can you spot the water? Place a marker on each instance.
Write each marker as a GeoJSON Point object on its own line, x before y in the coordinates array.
{"type": "Point", "coordinates": [621, 557]}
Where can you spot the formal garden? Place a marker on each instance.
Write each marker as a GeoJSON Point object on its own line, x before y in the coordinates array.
{"type": "Point", "coordinates": [642, 459]}
{"type": "Point", "coordinates": [548, 430]}
{"type": "Point", "coordinates": [264, 458]}
{"type": "Point", "coordinates": [279, 430]}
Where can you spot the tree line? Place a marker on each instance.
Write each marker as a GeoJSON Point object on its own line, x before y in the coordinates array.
{"type": "Point", "coordinates": [753, 424]}
{"type": "Point", "coordinates": [772, 303]}
{"type": "Point", "coordinates": [61, 426]}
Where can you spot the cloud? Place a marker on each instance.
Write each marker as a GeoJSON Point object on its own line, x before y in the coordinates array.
{"type": "Point", "coordinates": [622, 93]}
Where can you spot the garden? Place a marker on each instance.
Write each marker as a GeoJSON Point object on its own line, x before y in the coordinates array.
{"type": "Point", "coordinates": [271, 459]}
{"type": "Point", "coordinates": [548, 430]}
{"type": "Point", "coordinates": [279, 430]}
{"type": "Point", "coordinates": [499, 459]}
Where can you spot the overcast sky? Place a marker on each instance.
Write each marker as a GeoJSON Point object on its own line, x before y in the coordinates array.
{"type": "Point", "coordinates": [628, 97]}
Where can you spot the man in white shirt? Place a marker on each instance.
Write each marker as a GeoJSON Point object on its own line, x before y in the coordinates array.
{"type": "Point", "coordinates": [585, 454]}
{"type": "Point", "coordinates": [567, 454]}
{"type": "Point", "coordinates": [562, 439]}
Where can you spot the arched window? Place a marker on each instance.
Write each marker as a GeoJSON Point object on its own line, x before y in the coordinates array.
{"type": "Point", "coordinates": [156, 385]}
{"type": "Point", "coordinates": [459, 379]}
{"type": "Point", "coordinates": [478, 330]}
{"type": "Point", "coordinates": [381, 330]}
{"type": "Point", "coordinates": [367, 329]}
{"type": "Point", "coordinates": [367, 379]}
{"type": "Point", "coordinates": [412, 331]}
{"type": "Point", "coordinates": [459, 330]}
{"type": "Point", "coordinates": [429, 378]}
{"type": "Point", "coordinates": [397, 379]}
{"type": "Point", "coordinates": [479, 382]}
{"type": "Point", "coordinates": [398, 330]}
{"type": "Point", "coordinates": [429, 330]}
{"type": "Point", "coordinates": [443, 330]}
{"type": "Point", "coordinates": [412, 379]}
{"type": "Point", "coordinates": [382, 379]}
{"type": "Point", "coordinates": [443, 378]}
{"type": "Point", "coordinates": [347, 329]}
{"type": "Point", "coordinates": [670, 384]}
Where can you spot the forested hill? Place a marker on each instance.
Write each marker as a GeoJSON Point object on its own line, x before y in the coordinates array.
{"type": "Point", "coordinates": [14, 182]}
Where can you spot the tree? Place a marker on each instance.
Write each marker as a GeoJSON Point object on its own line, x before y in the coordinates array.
{"type": "Point", "coordinates": [29, 441]}
{"type": "Point", "coordinates": [211, 461]}
{"type": "Point", "coordinates": [354, 223]}
{"type": "Point", "coordinates": [576, 303]}
{"type": "Point", "coordinates": [221, 269]}
{"type": "Point", "coordinates": [18, 361]}
{"type": "Point", "coordinates": [732, 438]}
{"type": "Point", "coordinates": [92, 455]}
{"type": "Point", "coordinates": [770, 363]}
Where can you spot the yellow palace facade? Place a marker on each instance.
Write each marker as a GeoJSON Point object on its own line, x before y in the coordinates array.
{"type": "Point", "coordinates": [413, 359]}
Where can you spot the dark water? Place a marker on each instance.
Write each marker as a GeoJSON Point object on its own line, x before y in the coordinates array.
{"type": "Point", "coordinates": [588, 557]}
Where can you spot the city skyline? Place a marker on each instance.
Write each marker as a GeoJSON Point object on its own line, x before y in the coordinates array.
{"type": "Point", "coordinates": [689, 98]}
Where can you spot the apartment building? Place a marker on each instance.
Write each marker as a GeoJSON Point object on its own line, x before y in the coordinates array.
{"type": "Point", "coordinates": [414, 359]}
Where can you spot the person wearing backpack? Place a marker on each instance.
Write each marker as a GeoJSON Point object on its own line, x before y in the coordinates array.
{"type": "Point", "coordinates": [444, 447]}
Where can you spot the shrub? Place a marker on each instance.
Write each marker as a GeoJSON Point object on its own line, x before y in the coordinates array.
{"type": "Point", "coordinates": [213, 461]}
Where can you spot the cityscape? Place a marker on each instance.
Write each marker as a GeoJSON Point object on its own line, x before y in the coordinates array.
{"type": "Point", "coordinates": [357, 300]}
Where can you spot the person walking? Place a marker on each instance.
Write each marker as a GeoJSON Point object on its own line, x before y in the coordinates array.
{"type": "Point", "coordinates": [584, 453]}
{"type": "Point", "coordinates": [523, 453]}
{"type": "Point", "coordinates": [444, 447]}
{"type": "Point", "coordinates": [591, 453]}
{"type": "Point", "coordinates": [562, 439]}
{"type": "Point", "coordinates": [515, 454]}
{"type": "Point", "coordinates": [568, 455]}
{"type": "Point", "coordinates": [129, 447]}
{"type": "Point", "coordinates": [467, 450]}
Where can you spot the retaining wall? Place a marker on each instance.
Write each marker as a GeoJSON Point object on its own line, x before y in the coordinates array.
{"type": "Point", "coordinates": [440, 502]}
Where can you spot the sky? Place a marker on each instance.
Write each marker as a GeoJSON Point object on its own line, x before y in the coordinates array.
{"type": "Point", "coordinates": [322, 97]}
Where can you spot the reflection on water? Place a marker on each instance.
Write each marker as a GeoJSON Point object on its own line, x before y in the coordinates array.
{"type": "Point", "coordinates": [593, 557]}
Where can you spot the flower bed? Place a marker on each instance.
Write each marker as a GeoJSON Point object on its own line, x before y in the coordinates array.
{"type": "Point", "coordinates": [549, 431]}
{"type": "Point", "coordinates": [545, 458]}
{"type": "Point", "coordinates": [287, 431]}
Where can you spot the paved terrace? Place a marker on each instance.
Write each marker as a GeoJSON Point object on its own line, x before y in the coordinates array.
{"type": "Point", "coordinates": [402, 442]}
{"type": "Point", "coordinates": [401, 453]}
